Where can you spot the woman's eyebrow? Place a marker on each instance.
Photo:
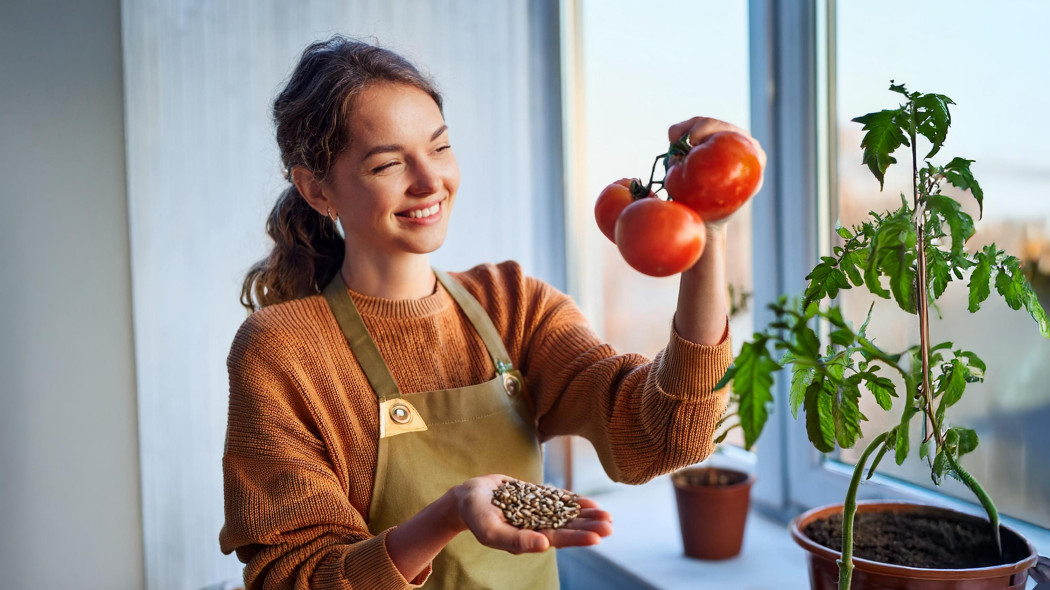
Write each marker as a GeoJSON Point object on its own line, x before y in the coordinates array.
{"type": "Point", "coordinates": [393, 147]}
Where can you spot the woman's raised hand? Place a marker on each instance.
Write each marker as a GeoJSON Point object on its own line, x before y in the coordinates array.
{"type": "Point", "coordinates": [485, 520]}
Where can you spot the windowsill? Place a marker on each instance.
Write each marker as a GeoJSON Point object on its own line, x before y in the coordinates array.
{"type": "Point", "coordinates": [645, 549]}
{"type": "Point", "coordinates": [647, 546]}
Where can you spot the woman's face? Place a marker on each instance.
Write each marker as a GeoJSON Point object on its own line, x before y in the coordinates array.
{"type": "Point", "coordinates": [394, 185]}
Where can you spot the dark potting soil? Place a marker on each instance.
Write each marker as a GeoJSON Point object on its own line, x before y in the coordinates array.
{"type": "Point", "coordinates": [710, 476]}
{"type": "Point", "coordinates": [917, 540]}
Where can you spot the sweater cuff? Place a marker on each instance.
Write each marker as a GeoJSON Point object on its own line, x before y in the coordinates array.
{"type": "Point", "coordinates": [377, 570]}
{"type": "Point", "coordinates": [689, 371]}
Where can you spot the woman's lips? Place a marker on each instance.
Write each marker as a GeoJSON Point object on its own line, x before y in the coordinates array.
{"type": "Point", "coordinates": [423, 215]}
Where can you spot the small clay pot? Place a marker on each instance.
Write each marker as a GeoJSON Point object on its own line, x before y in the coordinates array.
{"type": "Point", "coordinates": [712, 510]}
{"type": "Point", "coordinates": [824, 571]}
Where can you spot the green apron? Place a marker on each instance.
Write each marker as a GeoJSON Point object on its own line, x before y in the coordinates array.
{"type": "Point", "coordinates": [434, 440]}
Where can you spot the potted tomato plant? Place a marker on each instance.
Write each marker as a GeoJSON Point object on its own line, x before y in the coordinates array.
{"type": "Point", "coordinates": [909, 255]}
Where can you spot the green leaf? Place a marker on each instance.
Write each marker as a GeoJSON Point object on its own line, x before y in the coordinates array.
{"type": "Point", "coordinates": [884, 135]}
{"type": "Point", "coordinates": [820, 422]}
{"type": "Point", "coordinates": [924, 448]}
{"type": "Point", "coordinates": [846, 412]}
{"type": "Point", "coordinates": [937, 271]}
{"type": "Point", "coordinates": [849, 262]}
{"type": "Point", "coordinates": [932, 119]}
{"type": "Point", "coordinates": [975, 367]}
{"type": "Point", "coordinates": [825, 280]}
{"type": "Point", "coordinates": [726, 377]}
{"type": "Point", "coordinates": [954, 384]}
{"type": "Point", "coordinates": [957, 172]}
{"type": "Point", "coordinates": [801, 378]}
{"type": "Point", "coordinates": [966, 439]}
{"type": "Point", "coordinates": [883, 389]}
{"type": "Point", "coordinates": [1007, 282]}
{"type": "Point", "coordinates": [842, 231]}
{"type": "Point", "coordinates": [980, 281]}
{"type": "Point", "coordinates": [945, 209]}
{"type": "Point", "coordinates": [752, 383]}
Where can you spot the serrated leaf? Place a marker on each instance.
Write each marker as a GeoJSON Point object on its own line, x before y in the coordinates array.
{"type": "Point", "coordinates": [924, 448]}
{"type": "Point", "coordinates": [954, 384]}
{"type": "Point", "coordinates": [883, 390]}
{"type": "Point", "coordinates": [842, 231]}
{"type": "Point", "coordinates": [980, 282]}
{"type": "Point", "coordinates": [932, 119]}
{"type": "Point", "coordinates": [801, 378]}
{"type": "Point", "coordinates": [849, 262]}
{"type": "Point", "coordinates": [752, 383]}
{"type": "Point", "coordinates": [820, 422]}
{"type": "Point", "coordinates": [846, 411]}
{"type": "Point", "coordinates": [937, 271]}
{"type": "Point", "coordinates": [945, 209]}
{"type": "Point", "coordinates": [883, 136]}
{"type": "Point", "coordinates": [1007, 285]}
{"type": "Point", "coordinates": [958, 174]}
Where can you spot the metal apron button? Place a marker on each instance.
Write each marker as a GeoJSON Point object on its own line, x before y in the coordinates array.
{"type": "Point", "coordinates": [400, 413]}
{"type": "Point", "coordinates": [511, 384]}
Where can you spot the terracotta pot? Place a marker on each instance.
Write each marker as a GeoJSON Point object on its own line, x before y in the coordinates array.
{"type": "Point", "coordinates": [712, 517]}
{"type": "Point", "coordinates": [824, 572]}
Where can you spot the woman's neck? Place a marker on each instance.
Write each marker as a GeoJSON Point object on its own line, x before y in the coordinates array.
{"type": "Point", "coordinates": [408, 277]}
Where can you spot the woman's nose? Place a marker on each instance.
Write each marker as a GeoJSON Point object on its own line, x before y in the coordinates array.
{"type": "Point", "coordinates": [426, 179]}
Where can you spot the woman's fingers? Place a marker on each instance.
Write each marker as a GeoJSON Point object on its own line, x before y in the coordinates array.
{"type": "Point", "coordinates": [566, 537]}
{"type": "Point", "coordinates": [700, 127]}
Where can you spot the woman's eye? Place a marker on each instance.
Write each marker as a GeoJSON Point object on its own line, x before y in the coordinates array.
{"type": "Point", "coordinates": [444, 148]}
{"type": "Point", "coordinates": [383, 167]}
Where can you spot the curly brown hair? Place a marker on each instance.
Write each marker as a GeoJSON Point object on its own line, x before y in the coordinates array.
{"type": "Point", "coordinates": [312, 115]}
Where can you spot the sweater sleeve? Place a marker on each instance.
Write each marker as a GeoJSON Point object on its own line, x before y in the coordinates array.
{"type": "Point", "coordinates": [288, 515]}
{"type": "Point", "coordinates": [644, 418]}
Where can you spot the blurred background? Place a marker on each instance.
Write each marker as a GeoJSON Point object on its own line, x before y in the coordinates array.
{"type": "Point", "coordinates": [138, 166]}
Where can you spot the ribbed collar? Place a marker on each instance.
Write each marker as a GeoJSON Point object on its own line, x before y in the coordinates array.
{"type": "Point", "coordinates": [432, 304]}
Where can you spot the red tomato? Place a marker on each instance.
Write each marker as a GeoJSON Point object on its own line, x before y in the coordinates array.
{"type": "Point", "coordinates": [660, 238]}
{"type": "Point", "coordinates": [612, 200]}
{"type": "Point", "coordinates": [717, 176]}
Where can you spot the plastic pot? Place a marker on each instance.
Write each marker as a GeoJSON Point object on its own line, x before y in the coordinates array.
{"type": "Point", "coordinates": [824, 571]}
{"type": "Point", "coordinates": [712, 514]}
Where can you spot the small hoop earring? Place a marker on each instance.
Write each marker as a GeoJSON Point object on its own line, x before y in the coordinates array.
{"type": "Point", "coordinates": [333, 217]}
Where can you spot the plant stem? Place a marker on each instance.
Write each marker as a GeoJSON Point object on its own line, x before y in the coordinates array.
{"type": "Point", "coordinates": [921, 291]}
{"type": "Point", "coordinates": [986, 500]}
{"type": "Point", "coordinates": [849, 510]}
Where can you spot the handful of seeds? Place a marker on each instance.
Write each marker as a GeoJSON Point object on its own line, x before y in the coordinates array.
{"type": "Point", "coordinates": [530, 506]}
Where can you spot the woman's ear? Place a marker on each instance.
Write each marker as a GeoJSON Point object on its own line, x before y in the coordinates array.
{"type": "Point", "coordinates": [310, 188]}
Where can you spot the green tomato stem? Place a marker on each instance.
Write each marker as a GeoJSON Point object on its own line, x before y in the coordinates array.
{"type": "Point", "coordinates": [849, 510]}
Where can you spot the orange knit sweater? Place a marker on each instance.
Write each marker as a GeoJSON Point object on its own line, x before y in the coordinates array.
{"type": "Point", "coordinates": [302, 434]}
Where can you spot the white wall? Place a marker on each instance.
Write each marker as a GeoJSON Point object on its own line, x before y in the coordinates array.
{"type": "Point", "coordinates": [203, 172]}
{"type": "Point", "coordinates": [69, 477]}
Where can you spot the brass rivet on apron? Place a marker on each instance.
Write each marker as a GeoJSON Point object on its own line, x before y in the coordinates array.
{"type": "Point", "coordinates": [511, 384]}
{"type": "Point", "coordinates": [400, 414]}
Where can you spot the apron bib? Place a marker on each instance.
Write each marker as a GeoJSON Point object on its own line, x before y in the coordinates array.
{"type": "Point", "coordinates": [434, 440]}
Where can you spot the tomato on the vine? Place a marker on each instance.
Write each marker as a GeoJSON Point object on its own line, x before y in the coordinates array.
{"type": "Point", "coordinates": [660, 238]}
{"type": "Point", "coordinates": [716, 176]}
{"type": "Point", "coordinates": [612, 201]}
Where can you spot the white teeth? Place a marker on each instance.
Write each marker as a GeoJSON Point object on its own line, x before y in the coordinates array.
{"type": "Point", "coordinates": [420, 213]}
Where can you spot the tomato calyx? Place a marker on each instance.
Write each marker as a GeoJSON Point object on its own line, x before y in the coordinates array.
{"type": "Point", "coordinates": [677, 151]}
{"type": "Point", "coordinates": [638, 190]}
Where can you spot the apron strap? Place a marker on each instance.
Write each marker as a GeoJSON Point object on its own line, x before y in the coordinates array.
{"type": "Point", "coordinates": [480, 319]}
{"type": "Point", "coordinates": [361, 343]}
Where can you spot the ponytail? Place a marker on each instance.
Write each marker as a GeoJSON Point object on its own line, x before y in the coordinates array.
{"type": "Point", "coordinates": [308, 250]}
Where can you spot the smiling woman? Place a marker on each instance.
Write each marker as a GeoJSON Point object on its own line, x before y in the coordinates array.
{"type": "Point", "coordinates": [376, 403]}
